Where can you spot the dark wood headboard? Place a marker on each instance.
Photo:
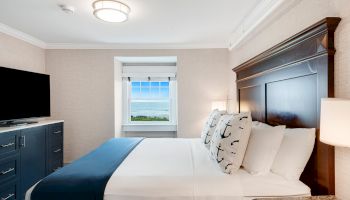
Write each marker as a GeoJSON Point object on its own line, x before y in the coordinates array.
{"type": "Point", "coordinates": [285, 84]}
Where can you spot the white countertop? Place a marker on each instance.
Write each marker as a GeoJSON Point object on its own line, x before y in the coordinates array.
{"type": "Point", "coordinates": [40, 123]}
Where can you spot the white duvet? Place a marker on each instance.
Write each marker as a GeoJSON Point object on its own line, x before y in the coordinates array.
{"type": "Point", "coordinates": [180, 169]}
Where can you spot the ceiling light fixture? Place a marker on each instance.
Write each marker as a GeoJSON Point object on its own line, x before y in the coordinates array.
{"type": "Point", "coordinates": [111, 11]}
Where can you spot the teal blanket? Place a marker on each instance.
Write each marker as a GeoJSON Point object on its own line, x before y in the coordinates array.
{"type": "Point", "coordinates": [86, 178]}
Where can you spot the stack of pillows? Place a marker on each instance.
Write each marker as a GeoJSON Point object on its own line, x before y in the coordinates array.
{"type": "Point", "coordinates": [235, 141]}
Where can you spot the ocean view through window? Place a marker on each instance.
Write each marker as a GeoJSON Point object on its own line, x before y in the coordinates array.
{"type": "Point", "coordinates": [150, 101]}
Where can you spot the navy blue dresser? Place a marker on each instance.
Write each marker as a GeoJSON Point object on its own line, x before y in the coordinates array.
{"type": "Point", "coordinates": [28, 154]}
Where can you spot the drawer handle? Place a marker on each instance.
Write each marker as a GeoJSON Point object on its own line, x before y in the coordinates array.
{"type": "Point", "coordinates": [7, 145]}
{"type": "Point", "coordinates": [7, 171]}
{"type": "Point", "coordinates": [9, 196]}
{"type": "Point", "coordinates": [58, 150]}
{"type": "Point", "coordinates": [57, 132]}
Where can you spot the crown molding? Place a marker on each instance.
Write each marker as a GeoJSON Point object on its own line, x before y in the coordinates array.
{"type": "Point", "coordinates": [264, 13]}
{"type": "Point", "coordinates": [21, 36]}
{"type": "Point", "coordinates": [134, 46]}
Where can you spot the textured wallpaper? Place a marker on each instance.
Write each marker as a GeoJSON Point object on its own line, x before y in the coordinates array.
{"type": "Point", "coordinates": [82, 84]}
{"type": "Point", "coordinates": [342, 90]}
{"type": "Point", "coordinates": [18, 54]}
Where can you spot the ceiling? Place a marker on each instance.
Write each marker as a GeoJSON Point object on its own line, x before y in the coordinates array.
{"type": "Point", "coordinates": [151, 22]}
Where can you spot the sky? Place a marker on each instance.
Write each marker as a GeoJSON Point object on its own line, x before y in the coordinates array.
{"type": "Point", "coordinates": [156, 95]}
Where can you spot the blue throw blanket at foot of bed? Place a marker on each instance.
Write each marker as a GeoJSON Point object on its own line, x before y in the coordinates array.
{"type": "Point", "coordinates": [86, 178]}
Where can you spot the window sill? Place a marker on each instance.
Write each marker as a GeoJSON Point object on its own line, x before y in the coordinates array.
{"type": "Point", "coordinates": [148, 127]}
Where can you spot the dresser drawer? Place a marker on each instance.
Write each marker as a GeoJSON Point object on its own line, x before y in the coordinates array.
{"type": "Point", "coordinates": [55, 135]}
{"type": "Point", "coordinates": [56, 150]}
{"type": "Point", "coordinates": [9, 168]}
{"type": "Point", "coordinates": [55, 164]}
{"type": "Point", "coordinates": [8, 143]}
{"type": "Point", "coordinates": [55, 147]}
{"type": "Point", "coordinates": [56, 129]}
{"type": "Point", "coordinates": [9, 191]}
{"type": "Point", "coordinates": [56, 153]}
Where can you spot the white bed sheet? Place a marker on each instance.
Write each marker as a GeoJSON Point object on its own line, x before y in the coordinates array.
{"type": "Point", "coordinates": [175, 169]}
{"type": "Point", "coordinates": [180, 169]}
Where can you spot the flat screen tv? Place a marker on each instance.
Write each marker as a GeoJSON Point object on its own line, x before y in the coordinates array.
{"type": "Point", "coordinates": [24, 95]}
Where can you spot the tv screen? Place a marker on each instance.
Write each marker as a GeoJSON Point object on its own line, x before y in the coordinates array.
{"type": "Point", "coordinates": [23, 94]}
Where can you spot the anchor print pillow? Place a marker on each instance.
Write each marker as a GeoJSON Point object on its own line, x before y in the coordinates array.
{"type": "Point", "coordinates": [230, 140]}
{"type": "Point", "coordinates": [210, 126]}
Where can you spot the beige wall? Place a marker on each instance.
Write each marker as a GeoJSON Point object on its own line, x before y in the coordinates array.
{"type": "Point", "coordinates": [83, 91]}
{"type": "Point", "coordinates": [17, 54]}
{"type": "Point", "coordinates": [303, 15]}
{"type": "Point", "coordinates": [83, 83]}
{"type": "Point", "coordinates": [118, 95]}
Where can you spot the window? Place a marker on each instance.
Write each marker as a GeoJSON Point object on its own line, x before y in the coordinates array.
{"type": "Point", "coordinates": [149, 94]}
{"type": "Point", "coordinates": [150, 101]}
{"type": "Point", "coordinates": [150, 105]}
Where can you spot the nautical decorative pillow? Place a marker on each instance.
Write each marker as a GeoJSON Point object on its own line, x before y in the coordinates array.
{"type": "Point", "coordinates": [230, 140]}
{"type": "Point", "coordinates": [209, 127]}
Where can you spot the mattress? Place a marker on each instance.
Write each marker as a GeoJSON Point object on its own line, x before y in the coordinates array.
{"type": "Point", "coordinates": [180, 169]}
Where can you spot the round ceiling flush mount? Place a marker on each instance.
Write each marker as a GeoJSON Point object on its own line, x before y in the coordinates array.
{"type": "Point", "coordinates": [111, 11]}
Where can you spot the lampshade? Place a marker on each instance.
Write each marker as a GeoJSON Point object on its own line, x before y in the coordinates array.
{"type": "Point", "coordinates": [220, 105]}
{"type": "Point", "coordinates": [232, 106]}
{"type": "Point", "coordinates": [335, 122]}
{"type": "Point", "coordinates": [111, 10]}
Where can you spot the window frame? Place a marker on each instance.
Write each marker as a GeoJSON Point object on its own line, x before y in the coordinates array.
{"type": "Point", "coordinates": [129, 125]}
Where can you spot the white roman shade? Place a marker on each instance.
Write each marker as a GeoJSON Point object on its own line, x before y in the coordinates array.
{"type": "Point", "coordinates": [149, 71]}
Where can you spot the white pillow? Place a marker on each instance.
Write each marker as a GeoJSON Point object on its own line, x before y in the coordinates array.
{"type": "Point", "coordinates": [230, 141]}
{"type": "Point", "coordinates": [257, 124]}
{"type": "Point", "coordinates": [209, 127]}
{"type": "Point", "coordinates": [264, 143]}
{"type": "Point", "coordinates": [294, 153]}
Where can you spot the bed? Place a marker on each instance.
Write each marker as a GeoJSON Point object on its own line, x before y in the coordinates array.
{"type": "Point", "coordinates": [188, 174]}
{"type": "Point", "coordinates": [283, 85]}
{"type": "Point", "coordinates": [150, 174]}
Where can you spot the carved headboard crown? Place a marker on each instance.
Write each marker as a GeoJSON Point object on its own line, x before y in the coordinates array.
{"type": "Point", "coordinates": [285, 84]}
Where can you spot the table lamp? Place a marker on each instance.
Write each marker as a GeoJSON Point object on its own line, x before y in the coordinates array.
{"type": "Point", "coordinates": [335, 122]}
{"type": "Point", "coordinates": [220, 105]}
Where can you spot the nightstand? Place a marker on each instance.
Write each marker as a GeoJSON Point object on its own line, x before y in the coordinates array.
{"type": "Point", "coordinates": [328, 197]}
